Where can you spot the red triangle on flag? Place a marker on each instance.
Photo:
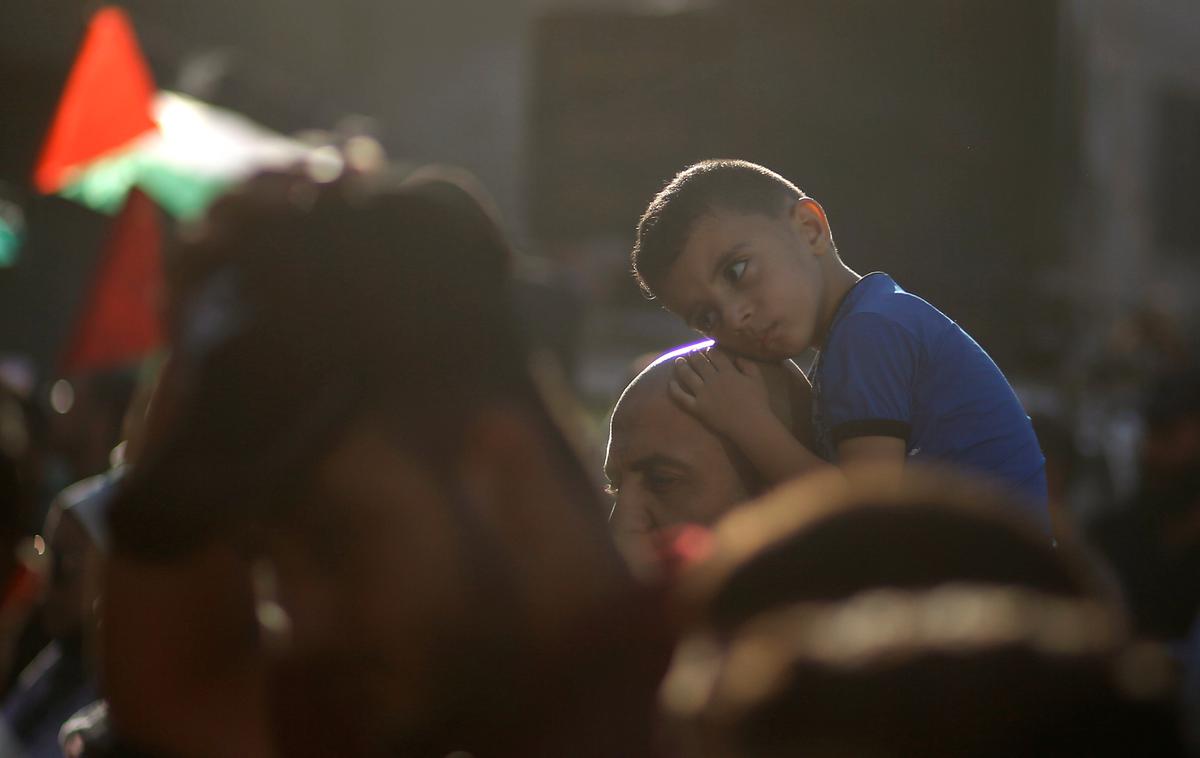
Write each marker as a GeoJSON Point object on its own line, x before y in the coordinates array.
{"type": "Point", "coordinates": [107, 102]}
{"type": "Point", "coordinates": [120, 319]}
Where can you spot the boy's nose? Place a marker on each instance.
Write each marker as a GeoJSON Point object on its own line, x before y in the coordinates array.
{"type": "Point", "coordinates": [737, 314]}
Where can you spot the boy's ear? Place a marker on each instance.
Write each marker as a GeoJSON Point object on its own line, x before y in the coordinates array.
{"type": "Point", "coordinates": [809, 221]}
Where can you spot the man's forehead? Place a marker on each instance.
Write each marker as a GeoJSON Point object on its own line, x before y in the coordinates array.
{"type": "Point", "coordinates": [643, 394]}
{"type": "Point", "coordinates": [648, 422]}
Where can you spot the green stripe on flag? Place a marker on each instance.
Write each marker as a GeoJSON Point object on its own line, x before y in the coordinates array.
{"type": "Point", "coordinates": [10, 243]}
{"type": "Point", "coordinates": [104, 185]}
{"type": "Point", "coordinates": [183, 195]}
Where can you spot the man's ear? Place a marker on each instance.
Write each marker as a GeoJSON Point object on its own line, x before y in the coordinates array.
{"type": "Point", "coordinates": [809, 222]}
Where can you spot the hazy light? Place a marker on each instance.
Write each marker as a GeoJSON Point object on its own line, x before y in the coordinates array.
{"type": "Point", "coordinates": [62, 397]}
{"type": "Point", "coordinates": [273, 618]}
{"type": "Point", "coordinates": [116, 456]}
{"type": "Point", "coordinates": [325, 164]}
{"type": "Point", "coordinates": [181, 119]}
{"type": "Point", "coordinates": [695, 346]}
{"type": "Point", "coordinates": [364, 154]}
{"type": "Point", "coordinates": [694, 670]}
{"type": "Point", "coordinates": [39, 544]}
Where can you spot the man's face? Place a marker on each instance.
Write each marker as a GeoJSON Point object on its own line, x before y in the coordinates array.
{"type": "Point", "coordinates": [664, 467]}
{"type": "Point", "coordinates": [751, 282]}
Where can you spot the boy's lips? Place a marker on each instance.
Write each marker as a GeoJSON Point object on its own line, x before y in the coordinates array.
{"type": "Point", "coordinates": [765, 336]}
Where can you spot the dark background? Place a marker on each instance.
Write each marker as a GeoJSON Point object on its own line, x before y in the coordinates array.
{"type": "Point", "coordinates": [1028, 166]}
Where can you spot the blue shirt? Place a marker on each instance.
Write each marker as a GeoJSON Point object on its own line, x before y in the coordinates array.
{"type": "Point", "coordinates": [893, 365]}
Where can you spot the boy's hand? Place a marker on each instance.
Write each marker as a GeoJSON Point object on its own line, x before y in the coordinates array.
{"type": "Point", "coordinates": [726, 393]}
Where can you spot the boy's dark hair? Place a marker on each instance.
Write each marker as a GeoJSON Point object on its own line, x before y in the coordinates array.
{"type": "Point", "coordinates": [694, 192]}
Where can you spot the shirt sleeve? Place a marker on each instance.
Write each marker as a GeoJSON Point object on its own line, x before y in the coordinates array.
{"type": "Point", "coordinates": [869, 374]}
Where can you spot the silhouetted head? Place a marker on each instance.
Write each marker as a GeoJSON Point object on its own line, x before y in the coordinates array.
{"type": "Point", "coordinates": [882, 617]}
{"type": "Point", "coordinates": [827, 537]}
{"type": "Point", "coordinates": [348, 432]}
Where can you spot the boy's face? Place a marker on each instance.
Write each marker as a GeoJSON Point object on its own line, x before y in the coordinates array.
{"type": "Point", "coordinates": [752, 282]}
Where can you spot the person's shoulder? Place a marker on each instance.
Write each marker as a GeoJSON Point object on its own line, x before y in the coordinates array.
{"type": "Point", "coordinates": [878, 319]}
{"type": "Point", "coordinates": [888, 300]}
{"type": "Point", "coordinates": [869, 338]}
{"type": "Point", "coordinates": [886, 317]}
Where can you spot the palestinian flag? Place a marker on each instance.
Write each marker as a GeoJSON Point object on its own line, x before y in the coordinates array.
{"type": "Point", "coordinates": [114, 131]}
{"type": "Point", "coordinates": [105, 106]}
{"type": "Point", "coordinates": [12, 231]}
{"type": "Point", "coordinates": [196, 152]}
{"type": "Point", "coordinates": [119, 321]}
{"type": "Point", "coordinates": [119, 146]}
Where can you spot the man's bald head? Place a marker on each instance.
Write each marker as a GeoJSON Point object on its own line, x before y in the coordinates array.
{"type": "Point", "coordinates": [666, 468]}
{"type": "Point", "coordinates": [788, 390]}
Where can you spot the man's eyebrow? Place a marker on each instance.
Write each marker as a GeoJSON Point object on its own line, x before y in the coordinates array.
{"type": "Point", "coordinates": [724, 258]}
{"type": "Point", "coordinates": [658, 459]}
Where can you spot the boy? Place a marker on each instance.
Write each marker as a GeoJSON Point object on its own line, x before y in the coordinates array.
{"type": "Point", "coordinates": [746, 258]}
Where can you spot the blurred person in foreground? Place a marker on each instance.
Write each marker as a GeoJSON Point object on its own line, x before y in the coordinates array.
{"type": "Point", "coordinates": [61, 678]}
{"type": "Point", "coordinates": [18, 581]}
{"type": "Point", "coordinates": [858, 618]}
{"type": "Point", "coordinates": [826, 538]}
{"type": "Point", "coordinates": [20, 575]}
{"type": "Point", "coordinates": [82, 433]}
{"type": "Point", "coordinates": [85, 732]}
{"type": "Point", "coordinates": [958, 670]}
{"type": "Point", "coordinates": [1153, 540]}
{"type": "Point", "coordinates": [356, 529]}
{"type": "Point", "coordinates": [666, 471]}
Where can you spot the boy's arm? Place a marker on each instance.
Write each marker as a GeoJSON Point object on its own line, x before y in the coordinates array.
{"type": "Point", "coordinates": [774, 451]}
{"type": "Point", "coordinates": [730, 397]}
{"type": "Point", "coordinates": [868, 377]}
{"type": "Point", "coordinates": [879, 452]}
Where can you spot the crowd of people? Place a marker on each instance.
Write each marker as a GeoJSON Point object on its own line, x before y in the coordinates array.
{"type": "Point", "coordinates": [345, 519]}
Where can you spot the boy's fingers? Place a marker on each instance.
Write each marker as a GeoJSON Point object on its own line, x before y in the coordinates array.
{"type": "Point", "coordinates": [681, 396]}
{"type": "Point", "coordinates": [687, 377]}
{"type": "Point", "coordinates": [748, 367]}
{"type": "Point", "coordinates": [719, 359]}
{"type": "Point", "coordinates": [699, 361]}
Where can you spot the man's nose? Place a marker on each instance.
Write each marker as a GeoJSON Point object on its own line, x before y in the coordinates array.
{"type": "Point", "coordinates": [630, 504]}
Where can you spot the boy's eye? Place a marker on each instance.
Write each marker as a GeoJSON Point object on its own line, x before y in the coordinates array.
{"type": "Point", "coordinates": [734, 271]}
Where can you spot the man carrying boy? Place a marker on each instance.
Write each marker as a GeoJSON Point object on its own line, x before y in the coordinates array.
{"type": "Point", "coordinates": [746, 258]}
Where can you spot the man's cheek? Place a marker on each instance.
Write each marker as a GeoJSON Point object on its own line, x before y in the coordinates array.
{"type": "Point", "coordinates": [637, 548]}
